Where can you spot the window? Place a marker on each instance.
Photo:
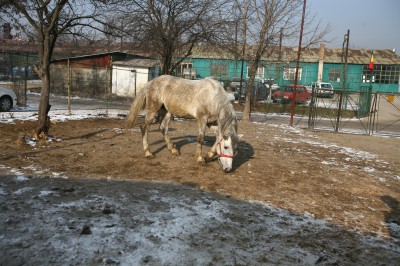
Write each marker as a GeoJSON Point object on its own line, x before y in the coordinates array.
{"type": "Point", "coordinates": [183, 66]}
{"type": "Point", "coordinates": [259, 73]}
{"type": "Point", "coordinates": [289, 73]}
{"type": "Point", "coordinates": [334, 74]}
{"type": "Point", "coordinates": [383, 74]}
{"type": "Point", "coordinates": [219, 70]}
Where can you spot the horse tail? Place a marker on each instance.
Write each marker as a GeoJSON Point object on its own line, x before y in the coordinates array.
{"type": "Point", "coordinates": [137, 105]}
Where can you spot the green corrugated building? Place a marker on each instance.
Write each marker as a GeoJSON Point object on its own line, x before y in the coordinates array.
{"type": "Point", "coordinates": [316, 64]}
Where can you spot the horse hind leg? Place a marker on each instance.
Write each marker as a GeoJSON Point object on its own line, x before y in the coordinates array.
{"type": "Point", "coordinates": [144, 128]}
{"type": "Point", "coordinates": [160, 115]}
{"type": "Point", "coordinates": [164, 130]}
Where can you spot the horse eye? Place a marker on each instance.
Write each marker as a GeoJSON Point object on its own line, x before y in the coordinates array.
{"type": "Point", "coordinates": [225, 147]}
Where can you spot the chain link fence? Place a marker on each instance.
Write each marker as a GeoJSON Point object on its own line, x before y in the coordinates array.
{"type": "Point", "coordinates": [17, 73]}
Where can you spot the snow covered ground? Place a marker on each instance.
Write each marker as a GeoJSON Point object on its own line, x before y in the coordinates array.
{"type": "Point", "coordinates": [49, 221]}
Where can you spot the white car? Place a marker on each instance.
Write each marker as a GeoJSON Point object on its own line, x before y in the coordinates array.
{"type": "Point", "coordinates": [322, 89]}
{"type": "Point", "coordinates": [8, 99]}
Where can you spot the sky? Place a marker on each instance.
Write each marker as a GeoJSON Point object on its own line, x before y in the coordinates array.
{"type": "Point", "coordinates": [373, 24]}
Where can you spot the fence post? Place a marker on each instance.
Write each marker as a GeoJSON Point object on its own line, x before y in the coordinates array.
{"type": "Point", "coordinates": [69, 88]}
{"type": "Point", "coordinates": [312, 110]}
{"type": "Point", "coordinates": [372, 114]}
{"type": "Point", "coordinates": [346, 53]}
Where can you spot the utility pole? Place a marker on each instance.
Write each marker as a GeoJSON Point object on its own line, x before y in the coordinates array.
{"type": "Point", "coordinates": [297, 64]}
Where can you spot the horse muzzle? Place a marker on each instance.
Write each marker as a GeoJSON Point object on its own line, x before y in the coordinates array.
{"type": "Point", "coordinates": [225, 167]}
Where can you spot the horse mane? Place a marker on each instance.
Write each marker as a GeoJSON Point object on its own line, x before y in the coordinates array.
{"type": "Point", "coordinates": [227, 120]}
{"type": "Point", "coordinates": [228, 125]}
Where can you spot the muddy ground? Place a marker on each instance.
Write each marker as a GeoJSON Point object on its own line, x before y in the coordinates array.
{"type": "Point", "coordinates": [351, 182]}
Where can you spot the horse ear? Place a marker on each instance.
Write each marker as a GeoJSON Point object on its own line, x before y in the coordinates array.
{"type": "Point", "coordinates": [226, 137]}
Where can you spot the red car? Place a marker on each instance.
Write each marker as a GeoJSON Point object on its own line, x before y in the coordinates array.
{"type": "Point", "coordinates": [285, 94]}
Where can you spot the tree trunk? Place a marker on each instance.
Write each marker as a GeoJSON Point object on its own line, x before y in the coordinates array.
{"type": "Point", "coordinates": [44, 107]}
{"type": "Point", "coordinates": [247, 103]}
{"type": "Point", "coordinates": [167, 65]}
{"type": "Point", "coordinates": [42, 130]}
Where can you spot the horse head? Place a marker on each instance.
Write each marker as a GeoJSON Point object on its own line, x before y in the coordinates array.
{"type": "Point", "coordinates": [226, 150]}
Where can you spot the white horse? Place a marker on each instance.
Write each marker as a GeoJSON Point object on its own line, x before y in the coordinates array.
{"type": "Point", "coordinates": [205, 100]}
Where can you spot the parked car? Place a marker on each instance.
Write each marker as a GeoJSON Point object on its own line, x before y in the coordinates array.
{"type": "Point", "coordinates": [235, 81]}
{"type": "Point", "coordinates": [271, 83]}
{"type": "Point", "coordinates": [8, 99]}
{"type": "Point", "coordinates": [259, 92]}
{"type": "Point", "coordinates": [322, 89]}
{"type": "Point", "coordinates": [285, 94]}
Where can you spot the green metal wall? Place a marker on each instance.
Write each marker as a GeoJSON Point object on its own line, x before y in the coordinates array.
{"type": "Point", "coordinates": [232, 68]}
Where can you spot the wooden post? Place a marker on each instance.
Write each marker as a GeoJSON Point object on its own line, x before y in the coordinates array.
{"type": "Point", "coordinates": [69, 88]}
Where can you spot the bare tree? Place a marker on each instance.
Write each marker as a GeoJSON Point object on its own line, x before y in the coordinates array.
{"type": "Point", "coordinates": [44, 21]}
{"type": "Point", "coordinates": [172, 28]}
{"type": "Point", "coordinates": [265, 21]}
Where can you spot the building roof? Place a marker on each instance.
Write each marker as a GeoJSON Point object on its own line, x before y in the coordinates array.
{"type": "Point", "coordinates": [139, 62]}
{"type": "Point", "coordinates": [86, 56]}
{"type": "Point", "coordinates": [17, 46]}
{"type": "Point", "coordinates": [355, 56]}
{"type": "Point", "coordinates": [288, 54]}
{"type": "Point", "coordinates": [308, 55]}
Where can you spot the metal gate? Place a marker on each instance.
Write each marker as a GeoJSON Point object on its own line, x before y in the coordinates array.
{"type": "Point", "coordinates": [361, 112]}
{"type": "Point", "coordinates": [385, 114]}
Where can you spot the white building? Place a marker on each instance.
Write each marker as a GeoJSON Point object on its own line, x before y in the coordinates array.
{"type": "Point", "coordinates": [128, 77]}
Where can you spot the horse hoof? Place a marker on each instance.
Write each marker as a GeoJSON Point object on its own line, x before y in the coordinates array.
{"type": "Point", "coordinates": [201, 161]}
{"type": "Point", "coordinates": [175, 152]}
{"type": "Point", "coordinates": [149, 155]}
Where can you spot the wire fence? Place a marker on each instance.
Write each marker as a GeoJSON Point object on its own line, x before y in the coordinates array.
{"type": "Point", "coordinates": [359, 112]}
{"type": "Point", "coordinates": [385, 113]}
{"type": "Point", "coordinates": [78, 81]}
{"type": "Point", "coordinates": [17, 70]}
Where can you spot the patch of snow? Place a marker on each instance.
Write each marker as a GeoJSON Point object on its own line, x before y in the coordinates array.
{"type": "Point", "coordinates": [369, 169]}
{"type": "Point", "coordinates": [21, 177]}
{"type": "Point", "coordinates": [59, 175]}
{"type": "Point", "coordinates": [61, 115]}
{"type": "Point", "coordinates": [23, 190]}
{"type": "Point", "coordinates": [46, 193]}
{"type": "Point", "coordinates": [30, 141]}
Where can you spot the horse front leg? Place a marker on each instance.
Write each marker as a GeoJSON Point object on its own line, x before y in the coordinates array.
{"type": "Point", "coordinates": [164, 129]}
{"type": "Point", "coordinates": [200, 138]}
{"type": "Point", "coordinates": [213, 150]}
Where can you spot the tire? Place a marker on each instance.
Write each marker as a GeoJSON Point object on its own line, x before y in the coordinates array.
{"type": "Point", "coordinates": [5, 104]}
